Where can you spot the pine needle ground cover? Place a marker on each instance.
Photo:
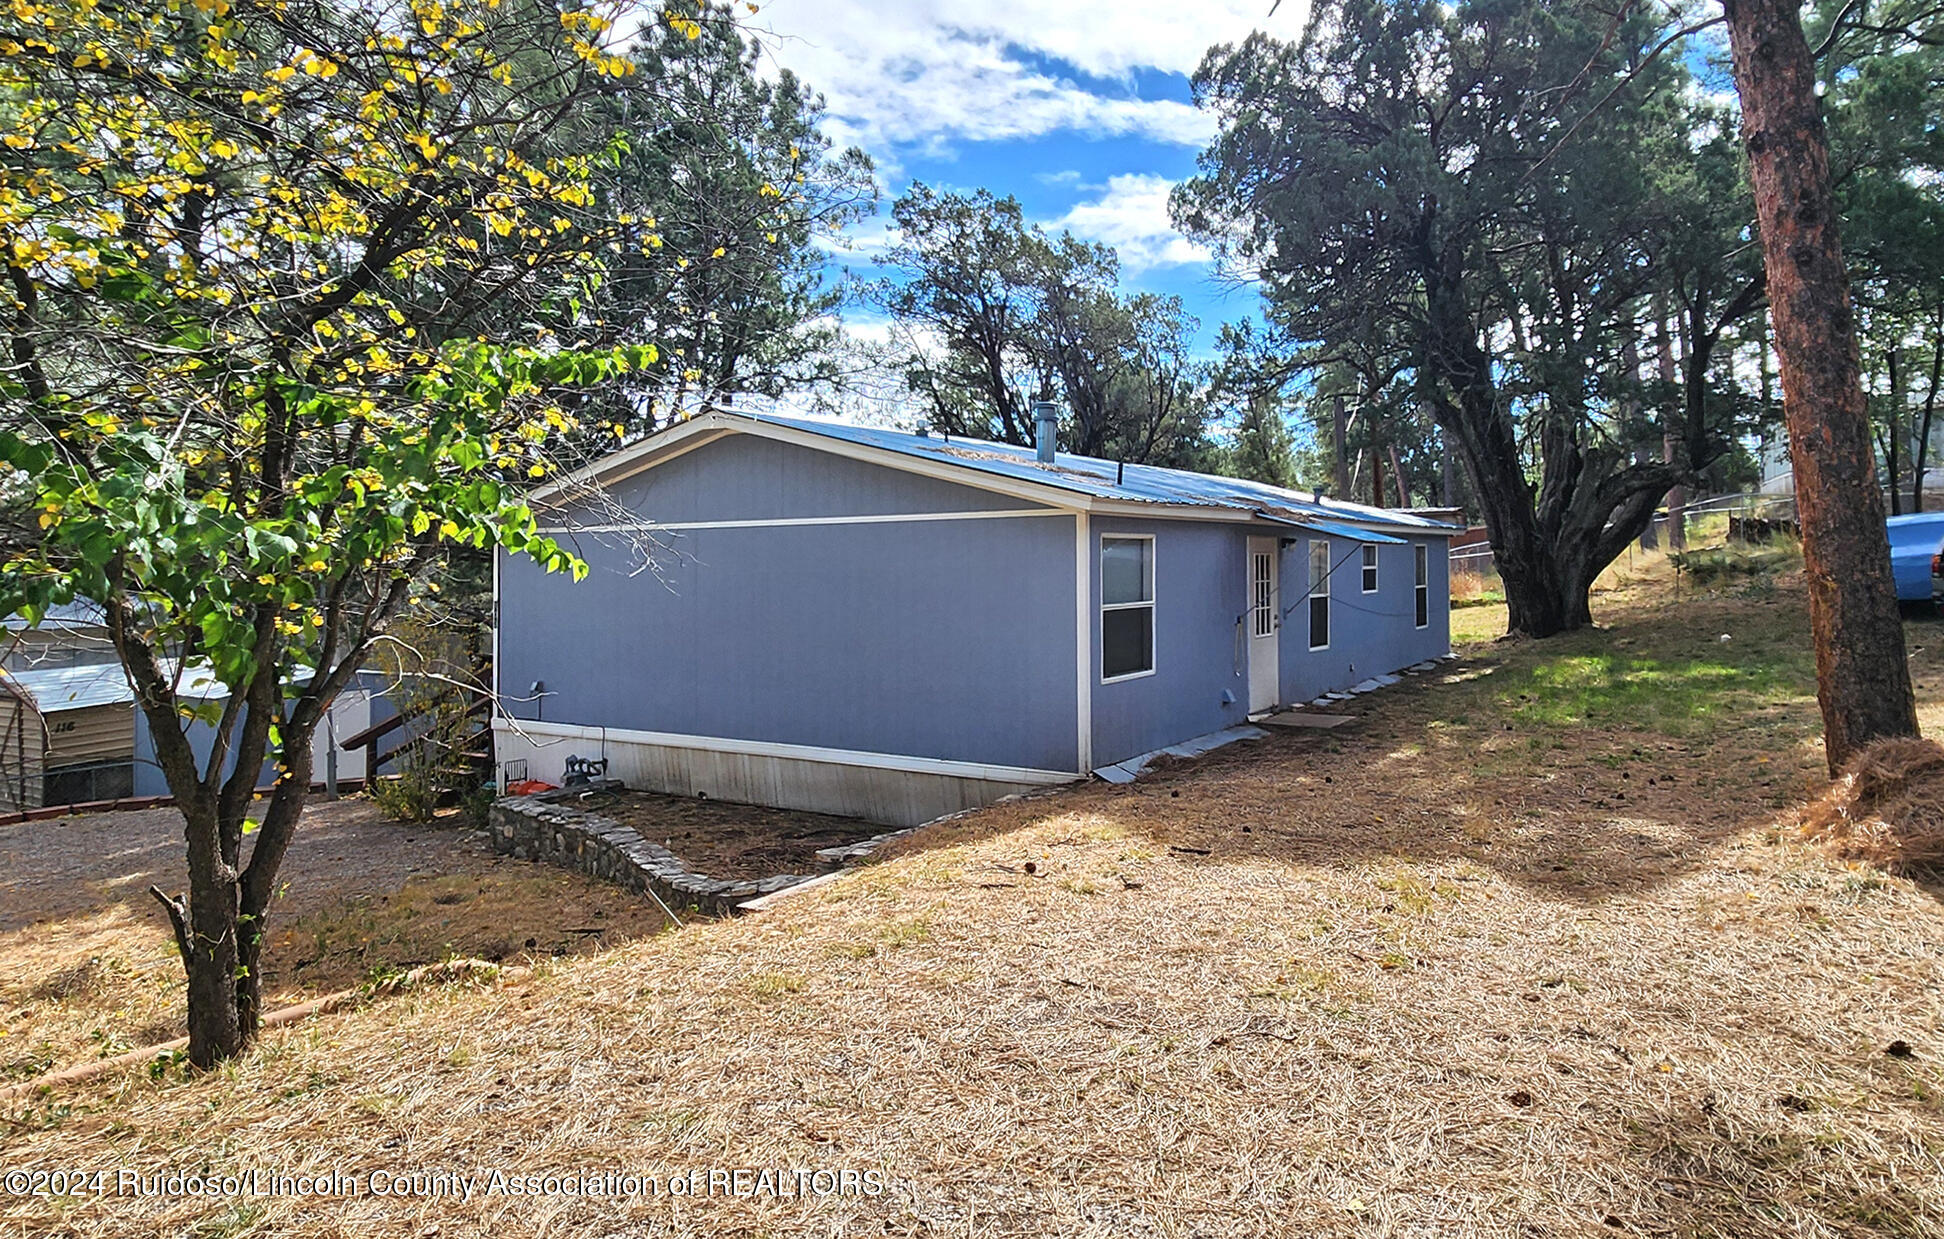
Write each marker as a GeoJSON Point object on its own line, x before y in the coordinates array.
{"type": "Point", "coordinates": [1534, 948]}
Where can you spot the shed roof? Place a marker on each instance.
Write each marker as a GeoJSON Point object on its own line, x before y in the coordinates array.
{"type": "Point", "coordinates": [1088, 479]}
{"type": "Point", "coordinates": [81, 613]}
{"type": "Point", "coordinates": [55, 689]}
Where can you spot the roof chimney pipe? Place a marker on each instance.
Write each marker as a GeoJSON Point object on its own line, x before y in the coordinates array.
{"type": "Point", "coordinates": [1046, 428]}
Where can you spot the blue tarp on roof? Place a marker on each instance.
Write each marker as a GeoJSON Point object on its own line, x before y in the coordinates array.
{"type": "Point", "coordinates": [1107, 479]}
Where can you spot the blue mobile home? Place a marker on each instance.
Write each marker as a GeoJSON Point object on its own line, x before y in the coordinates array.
{"type": "Point", "coordinates": [857, 620]}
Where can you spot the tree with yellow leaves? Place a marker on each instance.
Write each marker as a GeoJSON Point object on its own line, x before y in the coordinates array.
{"type": "Point", "coordinates": [291, 306]}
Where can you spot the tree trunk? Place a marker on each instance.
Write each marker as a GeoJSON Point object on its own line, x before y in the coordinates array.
{"type": "Point", "coordinates": [1892, 453]}
{"type": "Point", "coordinates": [1676, 497]}
{"type": "Point", "coordinates": [1930, 410]}
{"type": "Point", "coordinates": [1538, 599]}
{"type": "Point", "coordinates": [1447, 472]}
{"type": "Point", "coordinates": [1339, 437]}
{"type": "Point", "coordinates": [1862, 676]}
{"type": "Point", "coordinates": [1630, 414]}
{"type": "Point", "coordinates": [209, 947]}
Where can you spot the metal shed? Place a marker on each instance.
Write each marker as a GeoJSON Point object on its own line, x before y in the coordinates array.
{"type": "Point", "coordinates": [21, 743]}
{"type": "Point", "coordinates": [87, 716]}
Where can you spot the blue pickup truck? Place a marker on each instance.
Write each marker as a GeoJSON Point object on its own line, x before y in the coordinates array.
{"type": "Point", "coordinates": [1915, 542]}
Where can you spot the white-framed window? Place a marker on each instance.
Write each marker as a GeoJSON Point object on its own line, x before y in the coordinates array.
{"type": "Point", "coordinates": [1126, 606]}
{"type": "Point", "coordinates": [1422, 583]}
{"type": "Point", "coordinates": [1370, 567]}
{"type": "Point", "coordinates": [1262, 593]}
{"type": "Point", "coordinates": [1319, 594]}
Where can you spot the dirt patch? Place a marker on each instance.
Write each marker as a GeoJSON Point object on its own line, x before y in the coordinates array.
{"type": "Point", "coordinates": [56, 868]}
{"type": "Point", "coordinates": [1888, 808]}
{"type": "Point", "coordinates": [724, 839]}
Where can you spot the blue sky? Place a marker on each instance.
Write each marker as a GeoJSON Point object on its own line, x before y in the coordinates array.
{"type": "Point", "coordinates": [1080, 111]}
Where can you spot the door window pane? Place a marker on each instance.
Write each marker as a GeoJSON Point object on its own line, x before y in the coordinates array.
{"type": "Point", "coordinates": [1264, 595]}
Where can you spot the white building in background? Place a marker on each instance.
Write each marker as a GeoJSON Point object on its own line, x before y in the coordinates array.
{"type": "Point", "coordinates": [1778, 478]}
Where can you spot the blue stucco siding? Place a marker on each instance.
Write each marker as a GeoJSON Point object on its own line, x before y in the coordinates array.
{"type": "Point", "coordinates": [744, 477]}
{"type": "Point", "coordinates": [955, 639]}
{"type": "Point", "coordinates": [1370, 634]}
{"type": "Point", "coordinates": [944, 639]}
{"type": "Point", "coordinates": [1199, 594]}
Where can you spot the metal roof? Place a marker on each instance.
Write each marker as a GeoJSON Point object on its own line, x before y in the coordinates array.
{"type": "Point", "coordinates": [55, 689]}
{"type": "Point", "coordinates": [1107, 479]}
{"type": "Point", "coordinates": [81, 613]}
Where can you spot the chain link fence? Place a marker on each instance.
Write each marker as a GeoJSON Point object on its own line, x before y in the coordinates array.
{"type": "Point", "coordinates": [1715, 518]}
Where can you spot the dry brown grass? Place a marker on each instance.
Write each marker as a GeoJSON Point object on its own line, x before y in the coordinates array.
{"type": "Point", "coordinates": [1888, 808]}
{"type": "Point", "coordinates": [1523, 952]}
{"type": "Point", "coordinates": [1470, 589]}
{"type": "Point", "coordinates": [88, 968]}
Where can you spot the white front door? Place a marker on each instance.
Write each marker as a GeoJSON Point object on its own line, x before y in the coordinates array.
{"type": "Point", "coordinates": [1264, 620]}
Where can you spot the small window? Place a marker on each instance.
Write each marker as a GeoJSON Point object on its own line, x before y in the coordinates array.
{"type": "Point", "coordinates": [1370, 568]}
{"type": "Point", "coordinates": [1319, 594]}
{"type": "Point", "coordinates": [1126, 607]}
{"type": "Point", "coordinates": [1422, 584]}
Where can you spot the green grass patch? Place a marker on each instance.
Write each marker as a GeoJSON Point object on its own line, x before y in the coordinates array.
{"type": "Point", "coordinates": [1677, 696]}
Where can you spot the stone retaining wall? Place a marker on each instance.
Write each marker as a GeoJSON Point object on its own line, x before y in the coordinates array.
{"type": "Point", "coordinates": [533, 828]}
{"type": "Point", "coordinates": [544, 829]}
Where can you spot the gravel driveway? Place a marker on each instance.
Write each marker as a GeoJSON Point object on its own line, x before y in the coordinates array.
{"type": "Point", "coordinates": [62, 866]}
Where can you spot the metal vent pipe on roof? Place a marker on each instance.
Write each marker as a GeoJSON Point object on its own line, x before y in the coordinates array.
{"type": "Point", "coordinates": [1046, 429]}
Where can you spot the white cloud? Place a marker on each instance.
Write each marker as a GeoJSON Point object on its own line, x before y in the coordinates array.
{"type": "Point", "coordinates": [928, 73]}
{"type": "Point", "coordinates": [861, 242]}
{"type": "Point", "coordinates": [1132, 216]}
{"type": "Point", "coordinates": [868, 327]}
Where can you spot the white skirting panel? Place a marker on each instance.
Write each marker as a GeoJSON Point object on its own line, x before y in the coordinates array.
{"type": "Point", "coordinates": [885, 788]}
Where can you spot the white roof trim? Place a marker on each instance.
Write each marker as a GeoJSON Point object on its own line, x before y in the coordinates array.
{"type": "Point", "coordinates": [653, 450]}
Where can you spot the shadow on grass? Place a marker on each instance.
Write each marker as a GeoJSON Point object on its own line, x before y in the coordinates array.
{"type": "Point", "coordinates": [1751, 1167]}
{"type": "Point", "coordinates": [1587, 766]}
